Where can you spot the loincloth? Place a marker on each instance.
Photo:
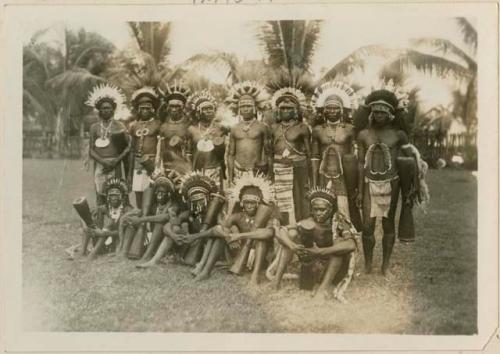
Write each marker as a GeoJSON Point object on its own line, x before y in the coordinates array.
{"type": "Point", "coordinates": [140, 178]}
{"type": "Point", "coordinates": [100, 176]}
{"type": "Point", "coordinates": [380, 196]}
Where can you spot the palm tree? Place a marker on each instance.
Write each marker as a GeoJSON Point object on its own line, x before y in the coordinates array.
{"type": "Point", "coordinates": [56, 82]}
{"type": "Point", "coordinates": [448, 60]}
{"type": "Point", "coordinates": [289, 46]}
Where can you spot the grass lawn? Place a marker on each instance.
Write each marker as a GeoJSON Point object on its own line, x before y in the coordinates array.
{"type": "Point", "coordinates": [431, 288]}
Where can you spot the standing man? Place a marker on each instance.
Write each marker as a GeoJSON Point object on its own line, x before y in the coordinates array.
{"type": "Point", "coordinates": [334, 163]}
{"type": "Point", "coordinates": [249, 150]}
{"type": "Point", "coordinates": [379, 145]}
{"type": "Point", "coordinates": [206, 137]}
{"type": "Point", "coordinates": [174, 130]}
{"type": "Point", "coordinates": [109, 142]}
{"type": "Point", "coordinates": [291, 149]}
{"type": "Point", "coordinates": [144, 132]}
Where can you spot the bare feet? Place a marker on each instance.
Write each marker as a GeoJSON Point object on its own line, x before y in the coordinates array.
{"type": "Point", "coordinates": [197, 270]}
{"type": "Point", "coordinates": [321, 294]}
{"type": "Point", "coordinates": [275, 284]}
{"type": "Point", "coordinates": [254, 279]}
{"type": "Point", "coordinates": [202, 276]}
{"type": "Point", "coordinates": [146, 265]}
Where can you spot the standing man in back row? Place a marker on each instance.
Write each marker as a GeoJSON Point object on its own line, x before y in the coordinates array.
{"type": "Point", "coordinates": [249, 150]}
{"type": "Point", "coordinates": [109, 141]}
{"type": "Point", "coordinates": [144, 132]}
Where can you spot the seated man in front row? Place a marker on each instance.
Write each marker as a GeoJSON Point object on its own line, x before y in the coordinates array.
{"type": "Point", "coordinates": [253, 225]}
{"type": "Point", "coordinates": [324, 243]}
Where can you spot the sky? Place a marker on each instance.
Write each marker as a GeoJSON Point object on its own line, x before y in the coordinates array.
{"type": "Point", "coordinates": [338, 39]}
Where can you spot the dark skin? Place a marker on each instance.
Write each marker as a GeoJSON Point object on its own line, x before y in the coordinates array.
{"type": "Point", "coordinates": [201, 159]}
{"type": "Point", "coordinates": [247, 141]}
{"type": "Point", "coordinates": [332, 132]}
{"type": "Point", "coordinates": [144, 144]}
{"type": "Point", "coordinates": [108, 229]}
{"type": "Point", "coordinates": [296, 133]}
{"type": "Point", "coordinates": [176, 229]}
{"type": "Point", "coordinates": [323, 247]}
{"type": "Point", "coordinates": [175, 128]}
{"type": "Point", "coordinates": [159, 219]}
{"type": "Point", "coordinates": [379, 131]}
{"type": "Point", "coordinates": [107, 156]}
{"type": "Point", "coordinates": [233, 229]}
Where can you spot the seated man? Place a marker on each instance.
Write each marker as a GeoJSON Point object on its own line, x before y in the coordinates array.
{"type": "Point", "coordinates": [102, 228]}
{"type": "Point", "coordinates": [204, 205]}
{"type": "Point", "coordinates": [324, 243]}
{"type": "Point", "coordinates": [158, 203]}
{"type": "Point", "coordinates": [253, 224]}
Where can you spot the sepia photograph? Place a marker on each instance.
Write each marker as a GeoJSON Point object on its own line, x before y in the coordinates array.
{"type": "Point", "coordinates": [289, 174]}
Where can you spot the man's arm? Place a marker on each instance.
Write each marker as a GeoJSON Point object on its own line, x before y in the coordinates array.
{"type": "Point", "coordinates": [230, 156]}
{"type": "Point", "coordinates": [315, 157]}
{"type": "Point", "coordinates": [361, 167]}
{"type": "Point", "coordinates": [286, 235]}
{"type": "Point", "coordinates": [258, 234]}
{"type": "Point", "coordinates": [269, 149]}
{"type": "Point", "coordinates": [339, 248]}
{"type": "Point", "coordinates": [190, 147]}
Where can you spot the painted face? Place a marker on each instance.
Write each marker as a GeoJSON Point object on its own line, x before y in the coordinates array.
{"type": "Point", "coordinates": [175, 109]}
{"type": "Point", "coordinates": [162, 194]}
{"type": "Point", "coordinates": [250, 207]}
{"type": "Point", "coordinates": [380, 118]}
{"type": "Point", "coordinates": [321, 210]}
{"type": "Point", "coordinates": [198, 203]}
{"type": "Point", "coordinates": [145, 110]}
{"type": "Point", "coordinates": [207, 113]}
{"type": "Point", "coordinates": [247, 108]}
{"type": "Point", "coordinates": [333, 113]}
{"type": "Point", "coordinates": [288, 111]}
{"type": "Point", "coordinates": [106, 110]}
{"type": "Point", "coordinates": [114, 197]}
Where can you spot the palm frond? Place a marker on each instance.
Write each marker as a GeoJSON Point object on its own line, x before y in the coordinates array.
{"type": "Point", "coordinates": [469, 33]}
{"type": "Point", "coordinates": [444, 47]}
{"type": "Point", "coordinates": [358, 59]}
{"type": "Point", "coordinates": [432, 64]}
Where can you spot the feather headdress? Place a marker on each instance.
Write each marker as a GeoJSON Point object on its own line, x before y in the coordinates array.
{"type": "Point", "coordinates": [247, 88]}
{"type": "Point", "coordinates": [290, 92]}
{"type": "Point", "coordinates": [258, 181]}
{"type": "Point", "coordinates": [199, 98]}
{"type": "Point", "coordinates": [105, 92]}
{"type": "Point", "coordinates": [114, 182]}
{"type": "Point", "coordinates": [177, 91]}
{"type": "Point", "coordinates": [196, 182]}
{"type": "Point", "coordinates": [341, 90]}
{"type": "Point", "coordinates": [144, 91]}
{"type": "Point", "coordinates": [322, 193]}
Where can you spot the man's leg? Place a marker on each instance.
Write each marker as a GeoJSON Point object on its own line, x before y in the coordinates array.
{"type": "Point", "coordinates": [138, 200]}
{"type": "Point", "coordinates": [127, 241]}
{"type": "Point", "coordinates": [99, 246]}
{"type": "Point", "coordinates": [216, 249]}
{"type": "Point", "coordinates": [164, 247]}
{"type": "Point", "coordinates": [368, 237]}
{"type": "Point", "coordinates": [285, 256]}
{"type": "Point", "coordinates": [260, 257]}
{"type": "Point", "coordinates": [156, 238]}
{"type": "Point", "coordinates": [204, 257]}
{"type": "Point", "coordinates": [332, 268]}
{"type": "Point", "coordinates": [388, 227]}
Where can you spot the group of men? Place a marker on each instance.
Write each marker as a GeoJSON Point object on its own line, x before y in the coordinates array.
{"type": "Point", "coordinates": [255, 194]}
